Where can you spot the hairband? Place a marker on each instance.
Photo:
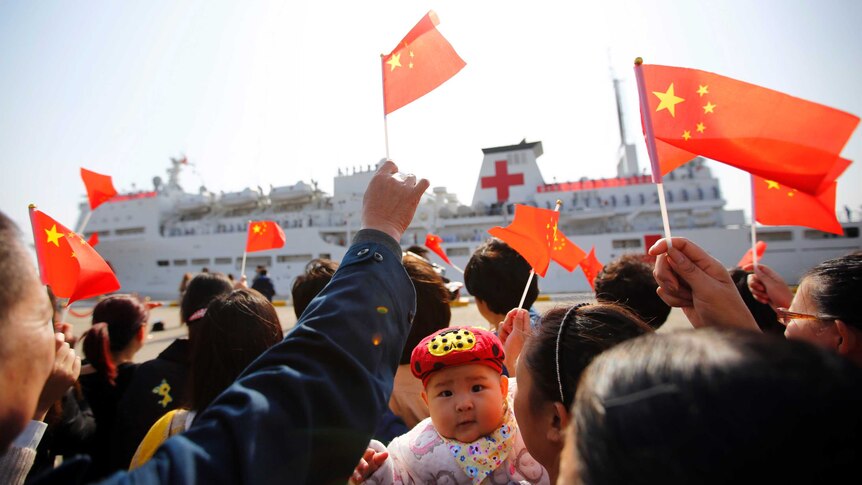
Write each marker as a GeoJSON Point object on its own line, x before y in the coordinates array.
{"type": "Point", "coordinates": [557, 352]}
{"type": "Point", "coordinates": [198, 314]}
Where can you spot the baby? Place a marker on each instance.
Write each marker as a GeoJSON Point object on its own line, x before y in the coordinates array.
{"type": "Point", "coordinates": [471, 434]}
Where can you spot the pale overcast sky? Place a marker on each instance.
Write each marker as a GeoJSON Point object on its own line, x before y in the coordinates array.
{"type": "Point", "coordinates": [266, 92]}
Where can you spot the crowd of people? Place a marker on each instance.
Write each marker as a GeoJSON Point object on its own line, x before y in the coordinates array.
{"type": "Point", "coordinates": [376, 384]}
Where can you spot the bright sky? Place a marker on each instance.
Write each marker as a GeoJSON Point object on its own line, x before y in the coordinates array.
{"type": "Point", "coordinates": [260, 93]}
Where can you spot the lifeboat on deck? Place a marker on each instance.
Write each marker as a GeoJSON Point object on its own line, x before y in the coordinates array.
{"type": "Point", "coordinates": [238, 200]}
{"type": "Point", "coordinates": [193, 203]}
{"type": "Point", "coordinates": [298, 192]}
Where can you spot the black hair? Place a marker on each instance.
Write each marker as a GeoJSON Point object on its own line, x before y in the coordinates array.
{"type": "Point", "coordinates": [497, 274]}
{"type": "Point", "coordinates": [318, 273]}
{"type": "Point", "coordinates": [629, 280]}
{"type": "Point", "coordinates": [839, 284]}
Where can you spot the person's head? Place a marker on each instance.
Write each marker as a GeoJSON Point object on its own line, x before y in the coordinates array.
{"type": "Point", "coordinates": [763, 314]}
{"type": "Point", "coordinates": [461, 370]}
{"type": "Point", "coordinates": [306, 286]}
{"type": "Point", "coordinates": [550, 366]}
{"type": "Point", "coordinates": [119, 330]}
{"type": "Point", "coordinates": [432, 304]}
{"type": "Point", "coordinates": [628, 280]}
{"type": "Point", "coordinates": [202, 289]}
{"type": "Point", "coordinates": [715, 406]}
{"type": "Point", "coordinates": [27, 345]}
{"type": "Point", "coordinates": [236, 329]}
{"type": "Point", "coordinates": [825, 304]}
{"type": "Point", "coordinates": [495, 276]}
{"type": "Point", "coordinates": [419, 251]}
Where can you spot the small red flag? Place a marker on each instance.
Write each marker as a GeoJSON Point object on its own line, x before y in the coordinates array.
{"type": "Point", "coordinates": [100, 188]}
{"type": "Point", "coordinates": [93, 240]}
{"type": "Point", "coordinates": [263, 235]}
{"type": "Point", "coordinates": [423, 60]}
{"type": "Point", "coordinates": [775, 205]}
{"type": "Point", "coordinates": [432, 242]}
{"type": "Point", "coordinates": [749, 258]}
{"type": "Point", "coordinates": [67, 264]}
{"type": "Point", "coordinates": [592, 267]}
{"type": "Point", "coordinates": [764, 132]}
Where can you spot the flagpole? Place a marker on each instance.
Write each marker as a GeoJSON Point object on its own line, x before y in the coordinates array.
{"type": "Point", "coordinates": [753, 228]}
{"type": "Point", "coordinates": [244, 254]}
{"type": "Point", "coordinates": [383, 89]}
{"type": "Point", "coordinates": [84, 222]}
{"type": "Point", "coordinates": [532, 271]}
{"type": "Point", "coordinates": [651, 150]}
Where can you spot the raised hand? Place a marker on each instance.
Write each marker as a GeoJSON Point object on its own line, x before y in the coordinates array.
{"type": "Point", "coordinates": [67, 367]}
{"type": "Point", "coordinates": [691, 279]}
{"type": "Point", "coordinates": [390, 200]}
{"type": "Point", "coordinates": [370, 462]}
{"type": "Point", "coordinates": [768, 287]}
{"type": "Point", "coordinates": [514, 331]}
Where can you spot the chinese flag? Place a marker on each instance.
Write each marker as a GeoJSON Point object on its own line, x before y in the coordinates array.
{"type": "Point", "coordinates": [432, 242]}
{"type": "Point", "coordinates": [422, 61]}
{"type": "Point", "coordinates": [591, 267]}
{"type": "Point", "coordinates": [67, 263]}
{"type": "Point", "coordinates": [776, 204]}
{"type": "Point", "coordinates": [93, 240]}
{"type": "Point", "coordinates": [767, 133]}
{"type": "Point", "coordinates": [533, 234]}
{"type": "Point", "coordinates": [100, 188]}
{"type": "Point", "coordinates": [749, 258]}
{"type": "Point", "coordinates": [263, 235]}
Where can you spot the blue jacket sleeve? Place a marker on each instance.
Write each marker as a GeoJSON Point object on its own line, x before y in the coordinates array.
{"type": "Point", "coordinates": [305, 410]}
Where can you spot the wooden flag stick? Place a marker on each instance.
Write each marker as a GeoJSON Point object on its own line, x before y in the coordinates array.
{"type": "Point", "coordinates": [753, 228]}
{"type": "Point", "coordinates": [532, 271]}
{"type": "Point", "coordinates": [651, 150]}
{"type": "Point", "coordinates": [84, 222]}
{"type": "Point", "coordinates": [244, 254]}
{"type": "Point", "coordinates": [383, 88]}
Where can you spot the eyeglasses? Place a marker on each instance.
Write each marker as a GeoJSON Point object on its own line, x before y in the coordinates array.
{"type": "Point", "coordinates": [785, 316]}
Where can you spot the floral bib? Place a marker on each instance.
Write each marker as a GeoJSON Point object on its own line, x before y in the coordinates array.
{"type": "Point", "coordinates": [480, 458]}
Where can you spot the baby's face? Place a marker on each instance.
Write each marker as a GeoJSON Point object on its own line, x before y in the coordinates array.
{"type": "Point", "coordinates": [466, 402]}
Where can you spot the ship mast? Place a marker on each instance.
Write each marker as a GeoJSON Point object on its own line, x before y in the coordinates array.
{"type": "Point", "coordinates": [627, 165]}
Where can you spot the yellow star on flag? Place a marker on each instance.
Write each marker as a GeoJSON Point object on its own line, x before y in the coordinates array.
{"type": "Point", "coordinates": [708, 107]}
{"type": "Point", "coordinates": [701, 90]}
{"type": "Point", "coordinates": [668, 100]}
{"type": "Point", "coordinates": [53, 235]}
{"type": "Point", "coordinates": [394, 61]}
{"type": "Point", "coordinates": [790, 194]}
{"type": "Point", "coordinates": [686, 135]}
{"type": "Point", "coordinates": [700, 127]}
{"type": "Point", "coordinates": [74, 255]}
{"type": "Point", "coordinates": [771, 184]}
{"type": "Point", "coordinates": [255, 229]}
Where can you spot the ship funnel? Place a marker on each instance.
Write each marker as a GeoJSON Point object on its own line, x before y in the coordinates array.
{"type": "Point", "coordinates": [509, 174]}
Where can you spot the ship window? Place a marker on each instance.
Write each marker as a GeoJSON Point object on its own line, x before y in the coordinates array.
{"type": "Point", "coordinates": [129, 230]}
{"type": "Point", "coordinates": [324, 256]}
{"type": "Point", "coordinates": [457, 251]}
{"type": "Point", "coordinates": [627, 200]}
{"type": "Point", "coordinates": [254, 261]}
{"type": "Point", "coordinates": [852, 232]}
{"type": "Point", "coordinates": [626, 243]}
{"type": "Point", "coordinates": [293, 258]}
{"type": "Point", "coordinates": [200, 261]}
{"type": "Point", "coordinates": [162, 262]}
{"type": "Point", "coordinates": [180, 262]}
{"type": "Point", "coordinates": [774, 236]}
{"type": "Point", "coordinates": [222, 260]}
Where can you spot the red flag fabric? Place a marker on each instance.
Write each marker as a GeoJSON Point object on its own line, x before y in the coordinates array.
{"type": "Point", "coordinates": [67, 264]}
{"type": "Point", "coordinates": [776, 205]}
{"type": "Point", "coordinates": [767, 133]}
{"type": "Point", "coordinates": [432, 242]}
{"type": "Point", "coordinates": [591, 267]}
{"type": "Point", "coordinates": [263, 235]}
{"type": "Point", "coordinates": [93, 240]}
{"type": "Point", "coordinates": [100, 188]}
{"type": "Point", "coordinates": [423, 60]}
{"type": "Point", "coordinates": [528, 235]}
{"type": "Point", "coordinates": [749, 258]}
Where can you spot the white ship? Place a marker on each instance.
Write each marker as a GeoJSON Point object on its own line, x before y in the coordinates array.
{"type": "Point", "coordinates": [152, 238]}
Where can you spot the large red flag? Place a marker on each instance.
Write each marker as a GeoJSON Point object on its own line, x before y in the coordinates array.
{"type": "Point", "coordinates": [100, 188]}
{"type": "Point", "coordinates": [423, 60]}
{"type": "Point", "coordinates": [432, 242]}
{"type": "Point", "coordinates": [767, 133]}
{"type": "Point", "coordinates": [775, 205]}
{"type": "Point", "coordinates": [67, 264]}
{"type": "Point", "coordinates": [263, 235]}
{"type": "Point", "coordinates": [592, 267]}
{"type": "Point", "coordinates": [749, 256]}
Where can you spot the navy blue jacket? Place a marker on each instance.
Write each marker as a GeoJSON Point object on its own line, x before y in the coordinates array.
{"type": "Point", "coordinates": [305, 410]}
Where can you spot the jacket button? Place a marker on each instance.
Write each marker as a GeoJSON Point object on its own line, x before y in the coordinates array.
{"type": "Point", "coordinates": [362, 252]}
{"type": "Point", "coordinates": [378, 257]}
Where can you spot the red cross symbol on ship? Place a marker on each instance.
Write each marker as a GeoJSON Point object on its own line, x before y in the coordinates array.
{"type": "Point", "coordinates": [502, 180]}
